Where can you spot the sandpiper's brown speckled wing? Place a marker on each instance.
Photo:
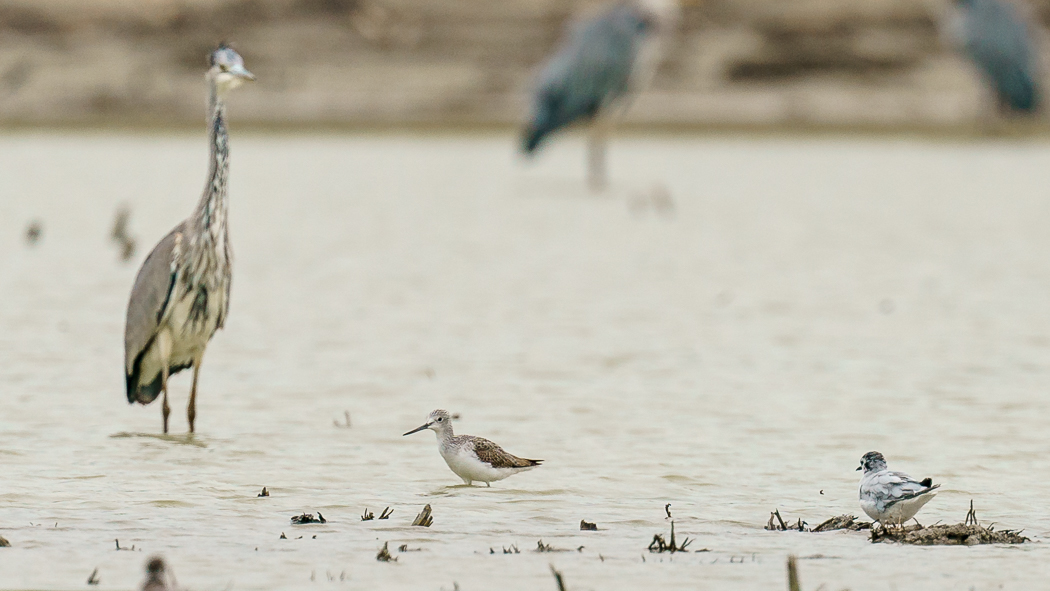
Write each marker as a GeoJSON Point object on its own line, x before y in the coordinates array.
{"type": "Point", "coordinates": [493, 455]}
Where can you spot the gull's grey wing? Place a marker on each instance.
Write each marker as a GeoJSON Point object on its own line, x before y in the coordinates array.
{"type": "Point", "coordinates": [149, 300]}
{"type": "Point", "coordinates": [492, 454]}
{"type": "Point", "coordinates": [890, 487]}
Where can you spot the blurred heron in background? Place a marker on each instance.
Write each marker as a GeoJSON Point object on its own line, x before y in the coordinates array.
{"type": "Point", "coordinates": [181, 293]}
{"type": "Point", "coordinates": [592, 74]}
{"type": "Point", "coordinates": [996, 37]}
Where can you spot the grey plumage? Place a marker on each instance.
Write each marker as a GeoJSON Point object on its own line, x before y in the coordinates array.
{"type": "Point", "coordinates": [590, 70]}
{"type": "Point", "coordinates": [891, 497]}
{"type": "Point", "coordinates": [996, 38]}
{"type": "Point", "coordinates": [181, 293]}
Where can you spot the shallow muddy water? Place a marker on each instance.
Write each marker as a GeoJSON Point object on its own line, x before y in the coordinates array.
{"type": "Point", "coordinates": [727, 329]}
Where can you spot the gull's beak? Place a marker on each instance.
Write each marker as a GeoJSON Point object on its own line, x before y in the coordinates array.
{"type": "Point", "coordinates": [418, 429]}
{"type": "Point", "coordinates": [242, 73]}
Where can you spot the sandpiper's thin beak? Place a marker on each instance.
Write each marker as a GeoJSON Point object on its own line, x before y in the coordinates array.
{"type": "Point", "coordinates": [242, 73]}
{"type": "Point", "coordinates": [418, 429]}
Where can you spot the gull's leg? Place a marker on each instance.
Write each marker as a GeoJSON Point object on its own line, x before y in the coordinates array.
{"type": "Point", "coordinates": [596, 173]}
{"type": "Point", "coordinates": [191, 410]}
{"type": "Point", "coordinates": [488, 485]}
{"type": "Point", "coordinates": [164, 343]}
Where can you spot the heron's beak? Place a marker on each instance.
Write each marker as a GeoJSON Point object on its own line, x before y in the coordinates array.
{"type": "Point", "coordinates": [418, 429]}
{"type": "Point", "coordinates": [858, 468]}
{"type": "Point", "coordinates": [242, 73]}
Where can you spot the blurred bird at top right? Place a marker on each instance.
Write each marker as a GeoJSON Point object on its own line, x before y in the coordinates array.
{"type": "Point", "coordinates": [998, 39]}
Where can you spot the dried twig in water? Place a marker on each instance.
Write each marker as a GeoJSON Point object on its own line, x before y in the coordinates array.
{"type": "Point", "coordinates": [971, 516]}
{"type": "Point", "coordinates": [384, 554]}
{"type": "Point", "coordinates": [308, 518]}
{"type": "Point", "coordinates": [386, 513]}
{"type": "Point", "coordinates": [558, 579]}
{"type": "Point", "coordinates": [667, 509]}
{"type": "Point", "coordinates": [346, 425]}
{"type": "Point", "coordinates": [367, 515]}
{"type": "Point", "coordinates": [119, 233]}
{"type": "Point", "coordinates": [4, 543]}
{"type": "Point", "coordinates": [793, 575]}
{"type": "Point", "coordinates": [283, 537]}
{"type": "Point", "coordinates": [93, 579]}
{"type": "Point", "coordinates": [660, 545]}
{"type": "Point", "coordinates": [781, 526]}
{"type": "Point", "coordinates": [424, 519]}
{"type": "Point", "coordinates": [131, 549]}
{"type": "Point", "coordinates": [264, 493]}
{"type": "Point", "coordinates": [588, 526]}
{"type": "Point", "coordinates": [405, 548]}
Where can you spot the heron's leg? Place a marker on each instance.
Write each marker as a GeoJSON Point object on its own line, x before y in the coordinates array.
{"type": "Point", "coordinates": [488, 485]}
{"type": "Point", "coordinates": [596, 174]}
{"type": "Point", "coordinates": [164, 343]}
{"type": "Point", "coordinates": [191, 410]}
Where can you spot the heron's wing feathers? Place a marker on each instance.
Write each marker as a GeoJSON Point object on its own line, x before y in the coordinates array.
{"type": "Point", "coordinates": [999, 42]}
{"type": "Point", "coordinates": [150, 296]}
{"type": "Point", "coordinates": [493, 455]}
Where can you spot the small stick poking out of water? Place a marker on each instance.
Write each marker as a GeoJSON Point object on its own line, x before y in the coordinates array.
{"type": "Point", "coordinates": [93, 579]}
{"type": "Point", "coordinates": [346, 425]}
{"type": "Point", "coordinates": [557, 578]}
{"type": "Point", "coordinates": [367, 515]}
{"type": "Point", "coordinates": [386, 513]}
{"type": "Point", "coordinates": [793, 575]}
{"type": "Point", "coordinates": [424, 519]}
{"type": "Point", "coordinates": [660, 545]}
{"type": "Point", "coordinates": [667, 509]}
{"type": "Point", "coordinates": [119, 234]}
{"type": "Point", "coordinates": [33, 232]}
{"type": "Point", "coordinates": [264, 493]}
{"type": "Point", "coordinates": [971, 515]}
{"type": "Point", "coordinates": [384, 554]}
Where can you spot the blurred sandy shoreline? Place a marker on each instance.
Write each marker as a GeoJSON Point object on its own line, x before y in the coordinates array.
{"type": "Point", "coordinates": [734, 65]}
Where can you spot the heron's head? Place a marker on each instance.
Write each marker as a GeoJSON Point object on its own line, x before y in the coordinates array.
{"type": "Point", "coordinates": [438, 421]}
{"type": "Point", "coordinates": [227, 69]}
{"type": "Point", "coordinates": [872, 462]}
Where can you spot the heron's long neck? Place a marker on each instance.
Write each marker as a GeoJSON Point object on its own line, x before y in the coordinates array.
{"type": "Point", "coordinates": [210, 217]}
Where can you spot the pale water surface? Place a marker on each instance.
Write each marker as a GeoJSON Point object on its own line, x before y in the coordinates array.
{"type": "Point", "coordinates": [807, 301]}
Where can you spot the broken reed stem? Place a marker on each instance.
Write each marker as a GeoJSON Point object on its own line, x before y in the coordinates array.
{"type": "Point", "coordinates": [793, 574]}
{"type": "Point", "coordinates": [557, 578]}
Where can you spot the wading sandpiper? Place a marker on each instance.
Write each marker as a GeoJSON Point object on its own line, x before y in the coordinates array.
{"type": "Point", "coordinates": [472, 458]}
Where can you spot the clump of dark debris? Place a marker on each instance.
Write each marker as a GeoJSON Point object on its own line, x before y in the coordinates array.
{"type": "Point", "coordinates": [587, 525]}
{"type": "Point", "coordinates": [264, 493]}
{"type": "Point", "coordinates": [848, 522]}
{"type": "Point", "coordinates": [968, 533]}
{"type": "Point", "coordinates": [384, 554]}
{"type": "Point", "coordinates": [660, 545]}
{"type": "Point", "coordinates": [4, 543]}
{"type": "Point", "coordinates": [842, 522]}
{"type": "Point", "coordinates": [308, 518]}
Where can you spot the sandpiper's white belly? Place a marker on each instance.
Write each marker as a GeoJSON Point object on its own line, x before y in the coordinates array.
{"type": "Point", "coordinates": [467, 466]}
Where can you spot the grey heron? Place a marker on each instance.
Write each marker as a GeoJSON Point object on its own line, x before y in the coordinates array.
{"type": "Point", "coordinates": [181, 294]}
{"type": "Point", "coordinates": [591, 74]}
{"type": "Point", "coordinates": [996, 37]}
